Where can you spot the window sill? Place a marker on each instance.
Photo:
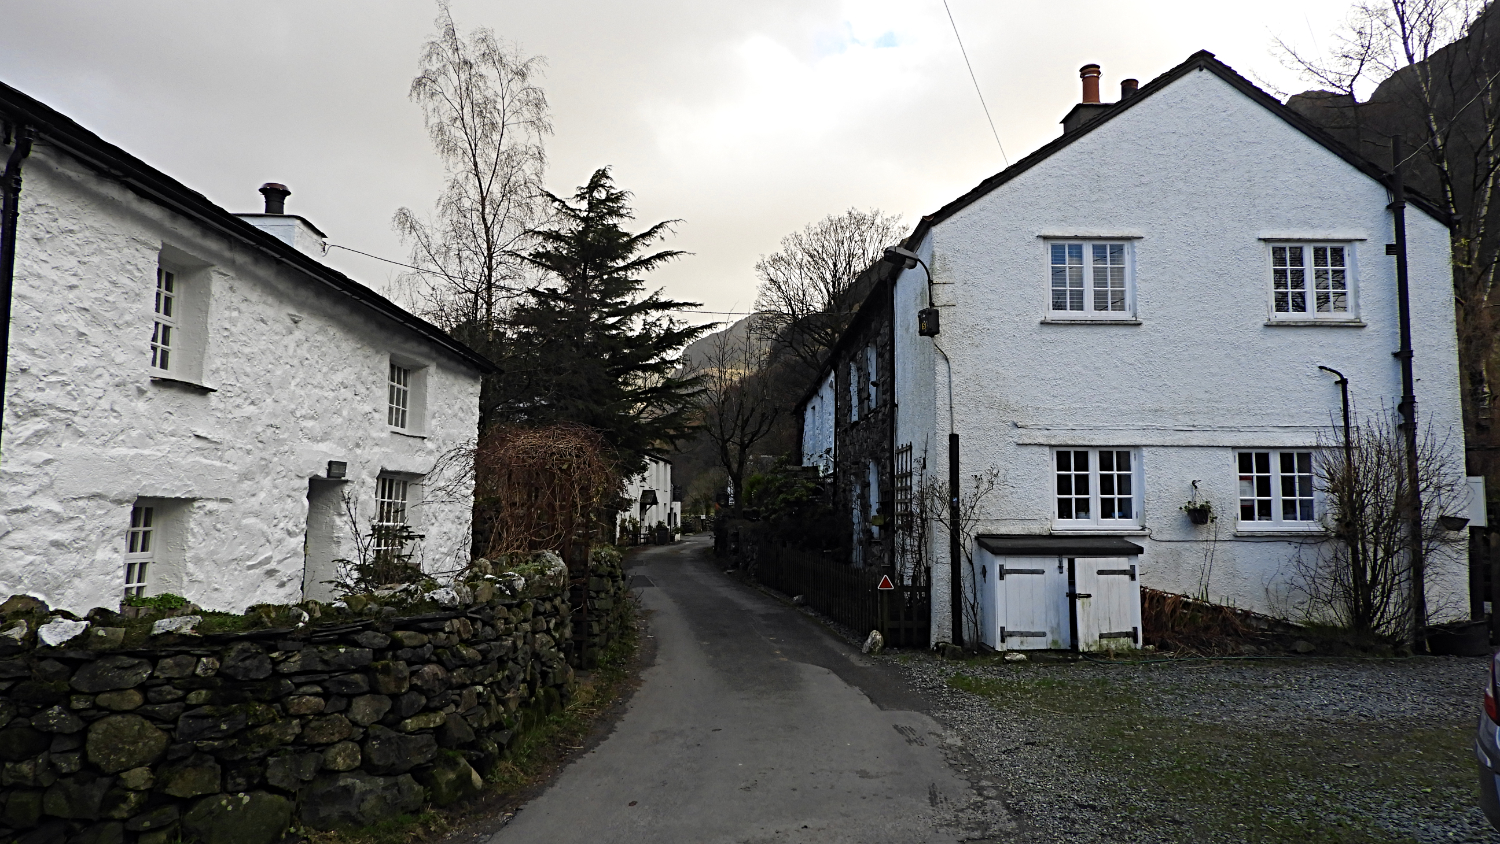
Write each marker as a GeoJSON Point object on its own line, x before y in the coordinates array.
{"type": "Point", "coordinates": [179, 383]}
{"type": "Point", "coordinates": [1120, 530]}
{"type": "Point", "coordinates": [1090, 321]}
{"type": "Point", "coordinates": [1241, 530]}
{"type": "Point", "coordinates": [1321, 323]}
{"type": "Point", "coordinates": [400, 433]}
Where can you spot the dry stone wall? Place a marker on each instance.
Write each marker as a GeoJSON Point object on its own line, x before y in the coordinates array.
{"type": "Point", "coordinates": [227, 739]}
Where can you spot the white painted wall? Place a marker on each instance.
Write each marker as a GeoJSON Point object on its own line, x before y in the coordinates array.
{"type": "Point", "coordinates": [1199, 173]}
{"type": "Point", "coordinates": [817, 428]}
{"type": "Point", "coordinates": [299, 375]}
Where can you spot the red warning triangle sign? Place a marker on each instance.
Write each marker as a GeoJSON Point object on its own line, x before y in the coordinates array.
{"type": "Point", "coordinates": [885, 583]}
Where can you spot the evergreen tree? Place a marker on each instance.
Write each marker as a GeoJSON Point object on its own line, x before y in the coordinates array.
{"type": "Point", "coordinates": [588, 346]}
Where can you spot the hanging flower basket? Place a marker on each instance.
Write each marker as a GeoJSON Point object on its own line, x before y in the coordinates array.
{"type": "Point", "coordinates": [1199, 512]}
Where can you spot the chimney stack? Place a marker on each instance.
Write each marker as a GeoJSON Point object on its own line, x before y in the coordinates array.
{"type": "Point", "coordinates": [1090, 75]}
{"type": "Point", "coordinates": [276, 194]}
{"type": "Point", "coordinates": [1128, 88]}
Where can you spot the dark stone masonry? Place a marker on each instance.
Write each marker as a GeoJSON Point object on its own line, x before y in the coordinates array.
{"type": "Point", "coordinates": [230, 738]}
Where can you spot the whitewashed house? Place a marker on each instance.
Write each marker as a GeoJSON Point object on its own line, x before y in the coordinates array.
{"type": "Point", "coordinates": [1131, 318]}
{"type": "Point", "coordinates": [652, 498]}
{"type": "Point", "coordinates": [191, 396]}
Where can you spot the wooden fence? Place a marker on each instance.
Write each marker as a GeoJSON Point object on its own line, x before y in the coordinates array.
{"type": "Point", "coordinates": [846, 594]}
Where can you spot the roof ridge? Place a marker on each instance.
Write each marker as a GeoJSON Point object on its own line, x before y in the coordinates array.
{"type": "Point", "coordinates": [1199, 60]}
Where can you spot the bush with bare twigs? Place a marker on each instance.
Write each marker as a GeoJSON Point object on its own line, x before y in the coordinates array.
{"type": "Point", "coordinates": [540, 488]}
{"type": "Point", "coordinates": [1362, 582]}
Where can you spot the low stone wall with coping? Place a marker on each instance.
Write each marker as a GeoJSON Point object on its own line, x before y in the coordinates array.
{"type": "Point", "coordinates": [227, 738]}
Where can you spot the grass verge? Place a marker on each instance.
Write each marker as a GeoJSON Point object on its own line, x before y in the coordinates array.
{"type": "Point", "coordinates": [1187, 776]}
{"type": "Point", "coordinates": [543, 748]}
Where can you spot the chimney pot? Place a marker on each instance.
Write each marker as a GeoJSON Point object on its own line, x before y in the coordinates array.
{"type": "Point", "coordinates": [1128, 88]}
{"type": "Point", "coordinates": [1089, 73]}
{"type": "Point", "coordinates": [275, 195]}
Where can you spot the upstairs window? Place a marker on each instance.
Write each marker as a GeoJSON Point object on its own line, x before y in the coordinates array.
{"type": "Point", "coordinates": [166, 320]}
{"type": "Point", "coordinates": [1276, 489]}
{"type": "Point", "coordinates": [1090, 280]}
{"type": "Point", "coordinates": [1311, 281]}
{"type": "Point", "coordinates": [140, 549]}
{"type": "Point", "coordinates": [874, 391]}
{"type": "Point", "coordinates": [1095, 487]}
{"type": "Point", "coordinates": [399, 403]}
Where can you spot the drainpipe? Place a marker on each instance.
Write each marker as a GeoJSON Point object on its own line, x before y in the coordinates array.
{"type": "Point", "coordinates": [1408, 405]}
{"type": "Point", "coordinates": [10, 215]}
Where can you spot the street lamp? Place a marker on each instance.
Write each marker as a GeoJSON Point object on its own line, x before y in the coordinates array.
{"type": "Point", "coordinates": [927, 318]}
{"type": "Point", "coordinates": [927, 326]}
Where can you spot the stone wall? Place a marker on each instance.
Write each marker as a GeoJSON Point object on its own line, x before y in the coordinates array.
{"type": "Point", "coordinates": [226, 738]}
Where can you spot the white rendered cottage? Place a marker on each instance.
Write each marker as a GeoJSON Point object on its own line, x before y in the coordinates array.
{"type": "Point", "coordinates": [1133, 317]}
{"type": "Point", "coordinates": [651, 496]}
{"type": "Point", "coordinates": [191, 395]}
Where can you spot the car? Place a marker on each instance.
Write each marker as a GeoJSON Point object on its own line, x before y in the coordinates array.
{"type": "Point", "coordinates": [1487, 747]}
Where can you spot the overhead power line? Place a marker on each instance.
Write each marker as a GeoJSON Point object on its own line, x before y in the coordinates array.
{"type": "Point", "coordinates": [328, 246]}
{"type": "Point", "coordinates": [970, 65]}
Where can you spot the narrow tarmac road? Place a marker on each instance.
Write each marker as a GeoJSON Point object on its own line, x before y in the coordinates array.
{"type": "Point", "coordinates": [753, 725]}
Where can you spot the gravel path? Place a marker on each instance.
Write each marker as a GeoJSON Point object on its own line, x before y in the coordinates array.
{"type": "Point", "coordinates": [1340, 750]}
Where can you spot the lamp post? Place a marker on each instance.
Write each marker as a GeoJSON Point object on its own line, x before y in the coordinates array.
{"type": "Point", "coordinates": [927, 326]}
{"type": "Point", "coordinates": [1346, 520]}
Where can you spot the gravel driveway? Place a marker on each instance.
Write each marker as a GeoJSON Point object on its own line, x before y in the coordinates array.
{"type": "Point", "coordinates": [1316, 750]}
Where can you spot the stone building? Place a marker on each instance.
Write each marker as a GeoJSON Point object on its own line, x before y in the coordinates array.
{"type": "Point", "coordinates": [194, 402]}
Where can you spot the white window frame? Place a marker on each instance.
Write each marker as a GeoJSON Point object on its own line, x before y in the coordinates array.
{"type": "Point", "coordinates": [142, 539]}
{"type": "Point", "coordinates": [398, 407]}
{"type": "Point", "coordinates": [1276, 479]}
{"type": "Point", "coordinates": [1096, 491]}
{"type": "Point", "coordinates": [872, 368]}
{"type": "Point", "coordinates": [1309, 289]}
{"type": "Point", "coordinates": [1089, 277]}
{"type": "Point", "coordinates": [393, 503]}
{"type": "Point", "coordinates": [166, 333]}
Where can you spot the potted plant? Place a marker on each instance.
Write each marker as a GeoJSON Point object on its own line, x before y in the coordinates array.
{"type": "Point", "coordinates": [1199, 512]}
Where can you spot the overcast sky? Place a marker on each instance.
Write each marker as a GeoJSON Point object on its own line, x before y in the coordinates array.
{"type": "Point", "coordinates": [745, 120]}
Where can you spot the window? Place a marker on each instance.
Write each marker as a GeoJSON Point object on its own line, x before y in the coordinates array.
{"type": "Point", "coordinates": [140, 549]}
{"type": "Point", "coordinates": [874, 391]}
{"type": "Point", "coordinates": [853, 392]}
{"type": "Point", "coordinates": [166, 319]}
{"type": "Point", "coordinates": [400, 396]}
{"type": "Point", "coordinates": [1276, 488]}
{"type": "Point", "coordinates": [391, 498]}
{"type": "Point", "coordinates": [1311, 281]}
{"type": "Point", "coordinates": [1090, 280]}
{"type": "Point", "coordinates": [1095, 487]}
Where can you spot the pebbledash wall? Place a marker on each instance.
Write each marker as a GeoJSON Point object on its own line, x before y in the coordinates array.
{"type": "Point", "coordinates": [278, 373]}
{"type": "Point", "coordinates": [1197, 176]}
{"type": "Point", "coordinates": [117, 736]}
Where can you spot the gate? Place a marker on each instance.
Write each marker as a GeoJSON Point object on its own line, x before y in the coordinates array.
{"type": "Point", "coordinates": [848, 595]}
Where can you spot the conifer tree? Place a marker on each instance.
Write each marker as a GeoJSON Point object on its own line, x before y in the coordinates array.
{"type": "Point", "coordinates": [590, 345]}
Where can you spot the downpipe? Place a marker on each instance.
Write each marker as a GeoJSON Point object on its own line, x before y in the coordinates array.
{"type": "Point", "coordinates": [10, 216]}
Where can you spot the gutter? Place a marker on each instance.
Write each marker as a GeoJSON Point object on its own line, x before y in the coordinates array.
{"type": "Point", "coordinates": [10, 218]}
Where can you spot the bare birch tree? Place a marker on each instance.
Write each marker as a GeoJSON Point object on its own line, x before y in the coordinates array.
{"type": "Point", "coordinates": [1436, 63]}
{"type": "Point", "coordinates": [802, 301]}
{"type": "Point", "coordinates": [487, 118]}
